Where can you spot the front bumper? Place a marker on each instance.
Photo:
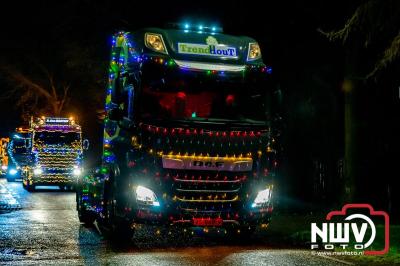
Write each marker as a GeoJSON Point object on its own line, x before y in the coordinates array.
{"type": "Point", "coordinates": [204, 214]}
{"type": "Point", "coordinates": [52, 180]}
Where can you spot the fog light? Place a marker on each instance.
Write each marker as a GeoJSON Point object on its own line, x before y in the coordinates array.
{"type": "Point", "coordinates": [37, 171]}
{"type": "Point", "coordinates": [263, 197]}
{"type": "Point", "coordinates": [146, 196]}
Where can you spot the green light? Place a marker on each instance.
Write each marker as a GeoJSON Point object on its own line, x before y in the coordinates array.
{"type": "Point", "coordinates": [194, 115]}
{"type": "Point", "coordinates": [208, 72]}
{"type": "Point", "coordinates": [107, 153]}
{"type": "Point", "coordinates": [171, 62]}
{"type": "Point", "coordinates": [104, 170]}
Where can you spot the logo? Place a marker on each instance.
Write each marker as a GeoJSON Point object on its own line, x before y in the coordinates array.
{"type": "Point", "coordinates": [211, 48]}
{"type": "Point", "coordinates": [351, 231]}
{"type": "Point", "coordinates": [208, 164]}
{"type": "Point", "coordinates": [211, 40]}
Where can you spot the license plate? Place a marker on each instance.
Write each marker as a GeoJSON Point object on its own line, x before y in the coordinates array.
{"type": "Point", "coordinates": [207, 221]}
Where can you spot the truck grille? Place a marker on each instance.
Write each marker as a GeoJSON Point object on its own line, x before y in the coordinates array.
{"type": "Point", "coordinates": [207, 192]}
{"type": "Point", "coordinates": [57, 161]}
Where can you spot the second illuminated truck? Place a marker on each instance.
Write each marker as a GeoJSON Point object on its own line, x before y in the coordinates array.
{"type": "Point", "coordinates": [187, 135]}
{"type": "Point", "coordinates": [56, 149]}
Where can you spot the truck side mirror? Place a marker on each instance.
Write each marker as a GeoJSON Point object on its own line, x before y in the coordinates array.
{"type": "Point", "coordinates": [85, 144]}
{"type": "Point", "coordinates": [28, 143]}
{"type": "Point", "coordinates": [115, 114]}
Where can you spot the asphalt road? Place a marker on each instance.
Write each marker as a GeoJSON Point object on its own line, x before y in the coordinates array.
{"type": "Point", "coordinates": [43, 228]}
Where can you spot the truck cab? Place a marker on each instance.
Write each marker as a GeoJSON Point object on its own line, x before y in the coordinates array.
{"type": "Point", "coordinates": [188, 139]}
{"type": "Point", "coordinates": [56, 153]}
{"type": "Point", "coordinates": [19, 153]}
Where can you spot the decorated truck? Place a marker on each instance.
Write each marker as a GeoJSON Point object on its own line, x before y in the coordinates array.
{"type": "Point", "coordinates": [188, 139]}
{"type": "Point", "coordinates": [56, 150]}
{"type": "Point", "coordinates": [19, 154]}
{"type": "Point", "coordinates": [3, 155]}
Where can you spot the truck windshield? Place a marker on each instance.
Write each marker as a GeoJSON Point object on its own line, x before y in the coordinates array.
{"type": "Point", "coordinates": [20, 142]}
{"type": "Point", "coordinates": [202, 98]}
{"type": "Point", "coordinates": [57, 137]}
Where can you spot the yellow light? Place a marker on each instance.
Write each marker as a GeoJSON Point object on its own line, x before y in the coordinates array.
{"type": "Point", "coordinates": [254, 51]}
{"type": "Point", "coordinates": [155, 42]}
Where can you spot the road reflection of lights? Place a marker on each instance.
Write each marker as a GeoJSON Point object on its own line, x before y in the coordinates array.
{"type": "Point", "coordinates": [40, 216]}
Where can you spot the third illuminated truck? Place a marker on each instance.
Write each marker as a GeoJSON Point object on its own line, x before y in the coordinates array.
{"type": "Point", "coordinates": [188, 139]}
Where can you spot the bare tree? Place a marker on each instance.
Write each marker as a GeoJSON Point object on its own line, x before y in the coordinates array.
{"type": "Point", "coordinates": [38, 97]}
{"type": "Point", "coordinates": [375, 24]}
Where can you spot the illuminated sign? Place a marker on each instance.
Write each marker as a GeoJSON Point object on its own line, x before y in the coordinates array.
{"type": "Point", "coordinates": [206, 49]}
{"type": "Point", "coordinates": [57, 121]}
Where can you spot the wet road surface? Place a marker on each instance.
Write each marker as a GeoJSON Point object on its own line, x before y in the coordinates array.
{"type": "Point", "coordinates": [43, 228]}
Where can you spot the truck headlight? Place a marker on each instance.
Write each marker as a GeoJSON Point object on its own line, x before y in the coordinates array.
{"type": "Point", "coordinates": [254, 51]}
{"type": "Point", "coordinates": [146, 196]}
{"type": "Point", "coordinates": [155, 42]}
{"type": "Point", "coordinates": [263, 197]}
{"type": "Point", "coordinates": [77, 171]}
{"type": "Point", "coordinates": [37, 171]}
{"type": "Point", "coordinates": [13, 171]}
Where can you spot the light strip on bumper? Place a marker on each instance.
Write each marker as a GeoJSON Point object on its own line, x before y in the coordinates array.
{"type": "Point", "coordinates": [212, 67]}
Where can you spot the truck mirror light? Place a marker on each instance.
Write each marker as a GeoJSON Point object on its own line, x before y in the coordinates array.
{"type": "Point", "coordinates": [85, 144]}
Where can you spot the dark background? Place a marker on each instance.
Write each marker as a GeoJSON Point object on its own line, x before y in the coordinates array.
{"type": "Point", "coordinates": [72, 40]}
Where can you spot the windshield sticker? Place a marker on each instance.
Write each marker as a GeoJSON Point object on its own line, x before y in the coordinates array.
{"type": "Point", "coordinates": [205, 49]}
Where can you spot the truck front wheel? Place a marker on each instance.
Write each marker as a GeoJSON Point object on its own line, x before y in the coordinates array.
{"type": "Point", "coordinates": [86, 217]}
{"type": "Point", "coordinates": [30, 187]}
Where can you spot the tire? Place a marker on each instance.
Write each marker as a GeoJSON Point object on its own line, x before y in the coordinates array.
{"type": "Point", "coordinates": [120, 228]}
{"type": "Point", "coordinates": [30, 188]}
{"type": "Point", "coordinates": [86, 217]}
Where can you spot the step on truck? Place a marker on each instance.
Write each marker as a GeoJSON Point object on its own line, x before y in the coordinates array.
{"type": "Point", "coordinates": [56, 149]}
{"type": "Point", "coordinates": [188, 139]}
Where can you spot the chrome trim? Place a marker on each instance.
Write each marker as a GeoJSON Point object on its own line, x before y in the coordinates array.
{"type": "Point", "coordinates": [208, 181]}
{"type": "Point", "coordinates": [206, 66]}
{"type": "Point", "coordinates": [207, 190]}
{"type": "Point", "coordinates": [236, 198]}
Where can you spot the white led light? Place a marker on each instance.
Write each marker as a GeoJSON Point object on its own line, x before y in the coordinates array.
{"type": "Point", "coordinates": [147, 196]}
